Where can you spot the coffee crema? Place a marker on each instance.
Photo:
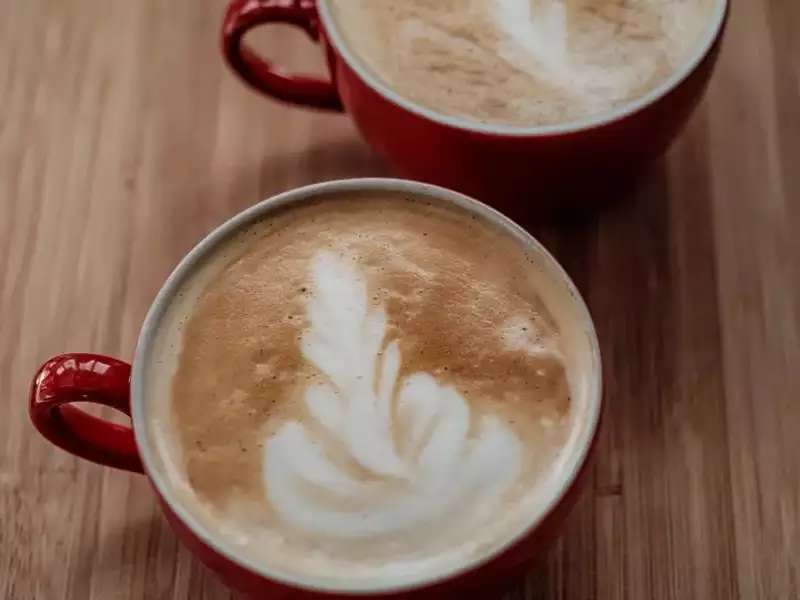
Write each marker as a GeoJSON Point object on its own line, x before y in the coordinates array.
{"type": "Point", "coordinates": [366, 384]}
{"type": "Point", "coordinates": [523, 62]}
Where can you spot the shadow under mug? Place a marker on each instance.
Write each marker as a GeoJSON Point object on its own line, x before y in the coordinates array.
{"type": "Point", "coordinates": [64, 380]}
{"type": "Point", "coordinates": [534, 168]}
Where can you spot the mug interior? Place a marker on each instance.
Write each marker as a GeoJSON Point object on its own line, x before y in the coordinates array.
{"type": "Point", "coordinates": [701, 49]}
{"type": "Point", "coordinates": [157, 354]}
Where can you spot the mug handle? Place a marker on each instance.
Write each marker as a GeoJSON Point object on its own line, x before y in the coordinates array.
{"type": "Point", "coordinates": [244, 15]}
{"type": "Point", "coordinates": [85, 378]}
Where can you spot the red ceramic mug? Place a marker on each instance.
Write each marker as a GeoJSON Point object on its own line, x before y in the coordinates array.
{"type": "Point", "coordinates": [509, 166]}
{"type": "Point", "coordinates": [67, 379]}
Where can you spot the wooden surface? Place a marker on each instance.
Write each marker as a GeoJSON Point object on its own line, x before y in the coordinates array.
{"type": "Point", "coordinates": [123, 140]}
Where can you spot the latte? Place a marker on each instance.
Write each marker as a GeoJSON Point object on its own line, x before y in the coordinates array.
{"type": "Point", "coordinates": [523, 62]}
{"type": "Point", "coordinates": [366, 385]}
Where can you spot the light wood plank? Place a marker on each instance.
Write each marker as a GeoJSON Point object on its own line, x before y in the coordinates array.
{"type": "Point", "coordinates": [123, 139]}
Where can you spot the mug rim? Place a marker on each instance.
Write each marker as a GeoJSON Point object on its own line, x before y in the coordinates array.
{"type": "Point", "coordinates": [212, 240]}
{"type": "Point", "coordinates": [709, 38]}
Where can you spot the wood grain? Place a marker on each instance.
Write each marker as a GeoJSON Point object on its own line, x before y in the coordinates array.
{"type": "Point", "coordinates": [123, 140]}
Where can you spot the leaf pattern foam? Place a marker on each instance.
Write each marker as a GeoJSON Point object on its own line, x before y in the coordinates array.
{"type": "Point", "coordinates": [385, 455]}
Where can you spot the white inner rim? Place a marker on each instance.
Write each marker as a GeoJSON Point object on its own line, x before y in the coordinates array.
{"type": "Point", "coordinates": [376, 83]}
{"type": "Point", "coordinates": [259, 211]}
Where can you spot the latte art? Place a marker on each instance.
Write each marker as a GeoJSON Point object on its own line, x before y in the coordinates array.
{"type": "Point", "coordinates": [538, 30]}
{"type": "Point", "coordinates": [366, 387]}
{"type": "Point", "coordinates": [523, 62]}
{"type": "Point", "coordinates": [425, 466]}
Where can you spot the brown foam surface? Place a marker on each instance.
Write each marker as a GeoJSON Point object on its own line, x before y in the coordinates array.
{"type": "Point", "coordinates": [523, 62]}
{"type": "Point", "coordinates": [458, 302]}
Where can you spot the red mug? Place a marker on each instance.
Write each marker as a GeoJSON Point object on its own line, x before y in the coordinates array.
{"type": "Point", "coordinates": [71, 378]}
{"type": "Point", "coordinates": [512, 167]}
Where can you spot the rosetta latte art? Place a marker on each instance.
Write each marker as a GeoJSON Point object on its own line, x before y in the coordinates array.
{"type": "Point", "coordinates": [537, 42]}
{"type": "Point", "coordinates": [381, 455]}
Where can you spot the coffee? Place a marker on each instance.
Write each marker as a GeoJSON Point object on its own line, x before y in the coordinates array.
{"type": "Point", "coordinates": [523, 62]}
{"type": "Point", "coordinates": [364, 385]}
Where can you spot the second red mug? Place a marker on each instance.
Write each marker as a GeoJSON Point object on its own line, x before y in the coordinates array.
{"type": "Point", "coordinates": [512, 167]}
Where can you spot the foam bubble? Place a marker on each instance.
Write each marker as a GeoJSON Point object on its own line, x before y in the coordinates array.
{"type": "Point", "coordinates": [532, 337]}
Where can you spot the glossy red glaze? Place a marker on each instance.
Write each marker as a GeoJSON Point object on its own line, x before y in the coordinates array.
{"type": "Point", "coordinates": [509, 171]}
{"type": "Point", "coordinates": [243, 15]}
{"type": "Point", "coordinates": [71, 378]}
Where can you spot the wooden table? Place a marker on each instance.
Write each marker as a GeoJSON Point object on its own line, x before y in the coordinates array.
{"type": "Point", "coordinates": [123, 140]}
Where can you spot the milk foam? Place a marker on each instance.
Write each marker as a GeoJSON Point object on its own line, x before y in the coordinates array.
{"type": "Point", "coordinates": [523, 62]}
{"type": "Point", "coordinates": [540, 31]}
{"type": "Point", "coordinates": [431, 470]}
{"type": "Point", "coordinates": [369, 390]}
